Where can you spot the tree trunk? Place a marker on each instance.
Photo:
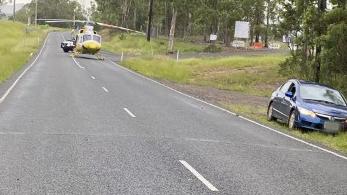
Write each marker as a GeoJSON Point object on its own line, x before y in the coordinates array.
{"type": "Point", "coordinates": [251, 35]}
{"type": "Point", "coordinates": [14, 10]}
{"type": "Point", "coordinates": [157, 33]}
{"type": "Point", "coordinates": [215, 18]}
{"type": "Point", "coordinates": [166, 25]}
{"type": "Point", "coordinates": [172, 32]}
{"type": "Point", "coordinates": [124, 9]}
{"type": "Point", "coordinates": [317, 63]}
{"type": "Point", "coordinates": [205, 34]}
{"type": "Point", "coordinates": [321, 9]}
{"type": "Point", "coordinates": [188, 30]}
{"type": "Point", "coordinates": [227, 37]}
{"type": "Point", "coordinates": [257, 38]}
{"type": "Point", "coordinates": [150, 16]}
{"type": "Point", "coordinates": [258, 20]}
{"type": "Point", "coordinates": [135, 18]}
{"type": "Point", "coordinates": [267, 25]}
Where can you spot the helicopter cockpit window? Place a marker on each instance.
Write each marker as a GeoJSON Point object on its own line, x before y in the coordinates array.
{"type": "Point", "coordinates": [87, 37]}
{"type": "Point", "coordinates": [97, 38]}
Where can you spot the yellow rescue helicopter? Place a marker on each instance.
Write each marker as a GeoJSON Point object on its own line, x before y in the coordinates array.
{"type": "Point", "coordinates": [85, 40]}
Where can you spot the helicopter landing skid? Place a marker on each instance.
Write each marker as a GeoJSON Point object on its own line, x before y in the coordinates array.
{"type": "Point", "coordinates": [99, 57]}
{"type": "Point", "coordinates": [75, 54]}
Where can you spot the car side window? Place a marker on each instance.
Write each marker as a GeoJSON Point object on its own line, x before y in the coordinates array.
{"type": "Point", "coordinates": [292, 89]}
{"type": "Point", "coordinates": [285, 87]}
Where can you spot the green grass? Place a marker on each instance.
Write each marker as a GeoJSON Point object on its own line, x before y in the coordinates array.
{"type": "Point", "coordinates": [138, 45]}
{"type": "Point", "coordinates": [256, 75]}
{"type": "Point", "coordinates": [153, 67]}
{"type": "Point", "coordinates": [17, 45]}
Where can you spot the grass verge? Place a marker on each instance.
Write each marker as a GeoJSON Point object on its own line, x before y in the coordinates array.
{"type": "Point", "coordinates": [17, 44]}
{"type": "Point", "coordinates": [256, 75]}
{"type": "Point", "coordinates": [138, 45]}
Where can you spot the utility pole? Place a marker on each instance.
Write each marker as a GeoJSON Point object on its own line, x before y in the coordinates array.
{"type": "Point", "coordinates": [322, 6]}
{"type": "Point", "coordinates": [150, 15]}
{"type": "Point", "coordinates": [74, 18]}
{"type": "Point", "coordinates": [268, 4]}
{"type": "Point", "coordinates": [35, 13]}
{"type": "Point", "coordinates": [14, 10]}
{"type": "Point", "coordinates": [172, 31]}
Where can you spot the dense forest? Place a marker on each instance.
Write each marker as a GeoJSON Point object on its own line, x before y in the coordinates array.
{"type": "Point", "coordinates": [317, 28]}
{"type": "Point", "coordinates": [193, 17]}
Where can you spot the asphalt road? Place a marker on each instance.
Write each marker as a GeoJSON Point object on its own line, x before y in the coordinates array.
{"type": "Point", "coordinates": [92, 127]}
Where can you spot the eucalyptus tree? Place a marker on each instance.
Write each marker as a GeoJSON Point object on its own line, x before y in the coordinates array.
{"type": "Point", "coordinates": [270, 18]}
{"type": "Point", "coordinates": [229, 11]}
{"type": "Point", "coordinates": [320, 38]}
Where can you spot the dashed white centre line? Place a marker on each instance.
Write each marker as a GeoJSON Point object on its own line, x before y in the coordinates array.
{"type": "Point", "coordinates": [93, 77]}
{"type": "Point", "coordinates": [78, 64]}
{"type": "Point", "coordinates": [130, 113]}
{"type": "Point", "coordinates": [104, 88]}
{"type": "Point", "coordinates": [200, 177]}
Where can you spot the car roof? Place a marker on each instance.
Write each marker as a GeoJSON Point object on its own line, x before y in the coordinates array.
{"type": "Point", "coordinates": [304, 82]}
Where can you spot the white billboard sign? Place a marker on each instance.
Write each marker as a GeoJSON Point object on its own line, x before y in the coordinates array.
{"type": "Point", "coordinates": [213, 37]}
{"type": "Point", "coordinates": [241, 30]}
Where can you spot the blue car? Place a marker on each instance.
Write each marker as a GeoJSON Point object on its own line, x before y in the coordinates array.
{"type": "Point", "coordinates": [308, 105]}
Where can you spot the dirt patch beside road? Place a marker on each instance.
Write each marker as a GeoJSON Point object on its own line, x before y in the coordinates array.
{"type": "Point", "coordinates": [218, 96]}
{"type": "Point", "coordinates": [227, 52]}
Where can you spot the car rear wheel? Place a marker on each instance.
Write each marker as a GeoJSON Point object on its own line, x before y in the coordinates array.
{"type": "Point", "coordinates": [291, 120]}
{"type": "Point", "coordinates": [270, 113]}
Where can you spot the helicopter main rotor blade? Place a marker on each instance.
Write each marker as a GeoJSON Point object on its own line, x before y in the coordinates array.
{"type": "Point", "coordinates": [62, 20]}
{"type": "Point", "coordinates": [119, 27]}
{"type": "Point", "coordinates": [54, 20]}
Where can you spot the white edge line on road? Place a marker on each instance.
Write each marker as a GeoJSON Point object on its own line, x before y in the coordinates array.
{"type": "Point", "coordinates": [78, 64]}
{"type": "Point", "coordinates": [93, 77]}
{"type": "Point", "coordinates": [23, 73]}
{"type": "Point", "coordinates": [172, 89]}
{"type": "Point", "coordinates": [232, 113]}
{"type": "Point", "coordinates": [294, 138]}
{"type": "Point", "coordinates": [130, 113]}
{"type": "Point", "coordinates": [199, 176]}
{"type": "Point", "coordinates": [105, 89]}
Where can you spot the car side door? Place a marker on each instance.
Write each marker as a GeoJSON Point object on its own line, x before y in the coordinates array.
{"type": "Point", "coordinates": [278, 100]}
{"type": "Point", "coordinates": [288, 102]}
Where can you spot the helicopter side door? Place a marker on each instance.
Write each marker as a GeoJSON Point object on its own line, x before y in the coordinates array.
{"type": "Point", "coordinates": [79, 41]}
